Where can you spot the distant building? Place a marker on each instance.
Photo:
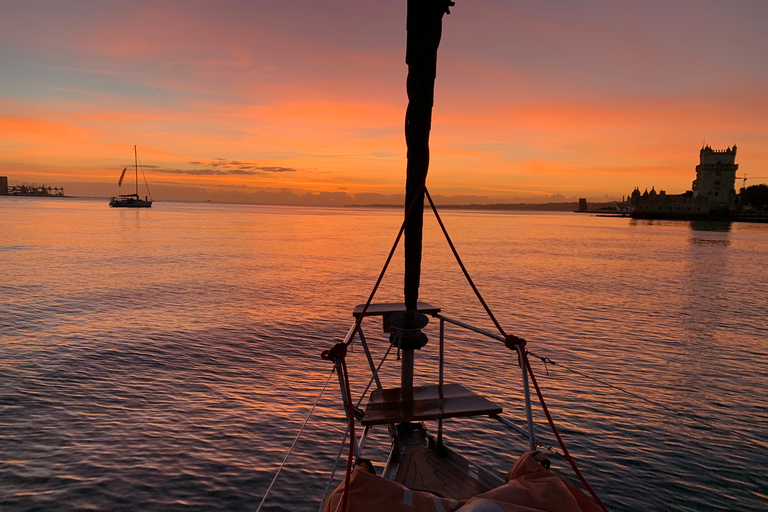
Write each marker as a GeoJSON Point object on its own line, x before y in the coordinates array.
{"type": "Point", "coordinates": [26, 189]}
{"type": "Point", "coordinates": [3, 185]}
{"type": "Point", "coordinates": [713, 194]}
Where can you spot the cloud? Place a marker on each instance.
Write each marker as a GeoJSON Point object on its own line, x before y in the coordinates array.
{"type": "Point", "coordinates": [383, 154]}
{"type": "Point", "coordinates": [211, 172]}
{"type": "Point", "coordinates": [277, 169]}
{"type": "Point", "coordinates": [241, 170]}
{"type": "Point", "coordinates": [238, 167]}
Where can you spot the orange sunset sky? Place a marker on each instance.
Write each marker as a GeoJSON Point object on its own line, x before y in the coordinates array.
{"type": "Point", "coordinates": [298, 101]}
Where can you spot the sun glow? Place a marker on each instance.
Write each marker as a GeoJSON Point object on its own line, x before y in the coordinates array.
{"type": "Point", "coordinates": [315, 103]}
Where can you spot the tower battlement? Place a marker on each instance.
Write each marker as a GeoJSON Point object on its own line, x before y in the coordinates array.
{"type": "Point", "coordinates": [707, 150]}
{"type": "Point", "coordinates": [720, 159]}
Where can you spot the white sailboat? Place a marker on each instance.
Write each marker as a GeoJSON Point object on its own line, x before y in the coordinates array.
{"type": "Point", "coordinates": [132, 200]}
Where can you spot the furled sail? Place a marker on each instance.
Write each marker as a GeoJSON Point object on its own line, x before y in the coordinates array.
{"type": "Point", "coordinates": [424, 26]}
{"type": "Point", "coordinates": [120, 181]}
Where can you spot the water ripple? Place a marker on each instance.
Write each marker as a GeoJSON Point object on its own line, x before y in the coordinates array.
{"type": "Point", "coordinates": [174, 375]}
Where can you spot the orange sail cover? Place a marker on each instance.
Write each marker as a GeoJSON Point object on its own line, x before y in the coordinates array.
{"type": "Point", "coordinates": [529, 488]}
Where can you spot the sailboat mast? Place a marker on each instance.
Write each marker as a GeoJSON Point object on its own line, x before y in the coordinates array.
{"type": "Point", "coordinates": [136, 167]}
{"type": "Point", "coordinates": [424, 27]}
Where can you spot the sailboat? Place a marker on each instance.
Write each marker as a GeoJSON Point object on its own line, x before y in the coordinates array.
{"type": "Point", "coordinates": [132, 200]}
{"type": "Point", "coordinates": [421, 472]}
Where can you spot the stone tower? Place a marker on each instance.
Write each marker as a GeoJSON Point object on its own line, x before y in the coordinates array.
{"type": "Point", "coordinates": [716, 177]}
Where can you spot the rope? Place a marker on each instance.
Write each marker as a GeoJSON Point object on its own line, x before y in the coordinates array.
{"type": "Point", "coordinates": [359, 319]}
{"type": "Point", "coordinates": [557, 435]}
{"type": "Point", "coordinates": [296, 439]}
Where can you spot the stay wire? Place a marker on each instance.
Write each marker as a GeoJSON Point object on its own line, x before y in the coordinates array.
{"type": "Point", "coordinates": [340, 349]}
{"type": "Point", "coordinates": [351, 455]}
{"type": "Point", "coordinates": [145, 178]}
{"type": "Point", "coordinates": [525, 361]}
{"type": "Point", "coordinates": [359, 319]}
{"type": "Point", "coordinates": [463, 268]}
{"type": "Point", "coordinates": [296, 439]}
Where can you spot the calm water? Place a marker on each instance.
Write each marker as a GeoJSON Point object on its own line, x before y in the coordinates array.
{"type": "Point", "coordinates": [164, 359]}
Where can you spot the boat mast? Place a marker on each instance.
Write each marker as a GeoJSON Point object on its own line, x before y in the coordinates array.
{"type": "Point", "coordinates": [424, 28]}
{"type": "Point", "coordinates": [136, 167]}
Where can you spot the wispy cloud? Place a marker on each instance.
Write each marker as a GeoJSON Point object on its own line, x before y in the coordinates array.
{"type": "Point", "coordinates": [221, 167]}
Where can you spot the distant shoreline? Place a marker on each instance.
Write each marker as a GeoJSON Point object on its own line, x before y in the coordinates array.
{"type": "Point", "coordinates": [597, 209]}
{"type": "Point", "coordinates": [553, 207]}
{"type": "Point", "coordinates": [52, 196]}
{"type": "Point", "coordinates": [541, 207]}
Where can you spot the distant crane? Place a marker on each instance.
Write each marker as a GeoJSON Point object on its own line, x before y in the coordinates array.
{"type": "Point", "coordinates": [744, 178]}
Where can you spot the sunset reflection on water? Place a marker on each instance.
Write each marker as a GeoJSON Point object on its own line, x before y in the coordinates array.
{"type": "Point", "coordinates": [167, 357]}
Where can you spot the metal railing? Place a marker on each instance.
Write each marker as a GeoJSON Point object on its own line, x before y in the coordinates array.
{"type": "Point", "coordinates": [529, 432]}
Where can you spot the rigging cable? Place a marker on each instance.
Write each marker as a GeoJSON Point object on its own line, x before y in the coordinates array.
{"type": "Point", "coordinates": [546, 360]}
{"type": "Point", "coordinates": [346, 432]}
{"type": "Point", "coordinates": [338, 353]}
{"type": "Point", "coordinates": [463, 268]}
{"type": "Point", "coordinates": [145, 178]}
{"type": "Point", "coordinates": [698, 418]}
{"type": "Point", "coordinates": [557, 435]}
{"type": "Point", "coordinates": [344, 439]}
{"type": "Point", "coordinates": [335, 467]}
{"type": "Point", "coordinates": [510, 341]}
{"type": "Point", "coordinates": [365, 393]}
{"type": "Point", "coordinates": [351, 414]}
{"type": "Point", "coordinates": [359, 319]}
{"type": "Point", "coordinates": [296, 439]}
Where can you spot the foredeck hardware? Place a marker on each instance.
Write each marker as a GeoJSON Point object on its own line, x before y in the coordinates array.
{"type": "Point", "coordinates": [513, 342]}
{"type": "Point", "coordinates": [406, 329]}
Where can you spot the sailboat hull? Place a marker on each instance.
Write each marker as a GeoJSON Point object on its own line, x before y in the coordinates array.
{"type": "Point", "coordinates": [129, 203]}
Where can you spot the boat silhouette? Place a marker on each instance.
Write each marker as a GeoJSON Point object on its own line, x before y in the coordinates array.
{"type": "Point", "coordinates": [132, 200]}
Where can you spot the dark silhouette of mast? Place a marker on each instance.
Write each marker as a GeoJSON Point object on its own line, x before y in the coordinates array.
{"type": "Point", "coordinates": [424, 26]}
{"type": "Point", "coordinates": [136, 167]}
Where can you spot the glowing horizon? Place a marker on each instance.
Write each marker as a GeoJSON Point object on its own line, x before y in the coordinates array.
{"type": "Point", "coordinates": [532, 101]}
